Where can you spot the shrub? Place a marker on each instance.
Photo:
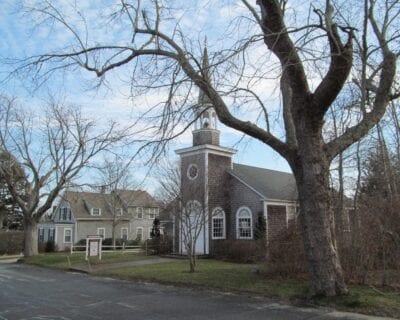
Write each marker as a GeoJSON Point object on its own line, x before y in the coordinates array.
{"type": "Point", "coordinates": [81, 245]}
{"type": "Point", "coordinates": [239, 250]}
{"type": "Point", "coordinates": [41, 247]}
{"type": "Point", "coordinates": [50, 246]}
{"type": "Point", "coordinates": [11, 242]}
{"type": "Point", "coordinates": [372, 254]}
{"type": "Point", "coordinates": [109, 242]}
{"type": "Point", "coordinates": [157, 246]}
{"type": "Point", "coordinates": [135, 242]}
{"type": "Point", "coordinates": [285, 254]}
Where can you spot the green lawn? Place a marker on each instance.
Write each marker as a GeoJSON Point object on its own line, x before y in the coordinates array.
{"type": "Point", "coordinates": [60, 260]}
{"type": "Point", "coordinates": [235, 277]}
{"type": "Point", "coordinates": [226, 276]}
{"type": "Point", "coordinates": [212, 274]}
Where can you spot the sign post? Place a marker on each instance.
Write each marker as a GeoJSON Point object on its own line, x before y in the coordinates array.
{"type": "Point", "coordinates": [93, 246]}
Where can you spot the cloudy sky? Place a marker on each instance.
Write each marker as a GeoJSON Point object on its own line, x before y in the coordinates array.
{"type": "Point", "coordinates": [23, 37]}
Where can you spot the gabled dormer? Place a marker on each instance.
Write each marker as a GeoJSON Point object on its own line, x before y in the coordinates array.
{"type": "Point", "coordinates": [63, 213]}
{"type": "Point", "coordinates": [96, 212]}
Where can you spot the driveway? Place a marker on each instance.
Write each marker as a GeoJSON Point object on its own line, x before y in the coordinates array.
{"type": "Point", "coordinates": [29, 292]}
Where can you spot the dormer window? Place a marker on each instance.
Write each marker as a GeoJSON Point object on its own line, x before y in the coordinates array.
{"type": "Point", "coordinates": [96, 212]}
{"type": "Point", "coordinates": [65, 214]}
{"type": "Point", "coordinates": [118, 212]}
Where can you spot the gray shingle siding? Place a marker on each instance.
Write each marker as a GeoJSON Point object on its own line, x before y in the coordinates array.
{"type": "Point", "coordinates": [242, 196]}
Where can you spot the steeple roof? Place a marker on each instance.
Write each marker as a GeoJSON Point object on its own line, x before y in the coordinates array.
{"type": "Point", "coordinates": [203, 98]}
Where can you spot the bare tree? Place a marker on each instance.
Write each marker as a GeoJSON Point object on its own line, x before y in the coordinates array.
{"type": "Point", "coordinates": [51, 151]}
{"type": "Point", "coordinates": [190, 216]}
{"type": "Point", "coordinates": [114, 177]}
{"type": "Point", "coordinates": [162, 54]}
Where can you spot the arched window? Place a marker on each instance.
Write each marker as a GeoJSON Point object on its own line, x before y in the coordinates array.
{"type": "Point", "coordinates": [218, 224]}
{"type": "Point", "coordinates": [206, 120]}
{"type": "Point", "coordinates": [214, 120]}
{"type": "Point", "coordinates": [244, 224]}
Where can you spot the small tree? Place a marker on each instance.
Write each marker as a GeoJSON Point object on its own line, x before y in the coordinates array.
{"type": "Point", "coordinates": [260, 228]}
{"type": "Point", "coordinates": [190, 216]}
{"type": "Point", "coordinates": [260, 234]}
{"type": "Point", "coordinates": [155, 230]}
{"type": "Point", "coordinates": [114, 177]}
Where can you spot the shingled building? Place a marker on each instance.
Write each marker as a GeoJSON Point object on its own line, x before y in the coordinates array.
{"type": "Point", "coordinates": [230, 195]}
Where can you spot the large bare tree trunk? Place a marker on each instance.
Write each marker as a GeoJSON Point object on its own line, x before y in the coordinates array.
{"type": "Point", "coordinates": [30, 238]}
{"type": "Point", "coordinates": [312, 175]}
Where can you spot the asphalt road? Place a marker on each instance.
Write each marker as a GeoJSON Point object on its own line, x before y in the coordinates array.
{"type": "Point", "coordinates": [28, 292]}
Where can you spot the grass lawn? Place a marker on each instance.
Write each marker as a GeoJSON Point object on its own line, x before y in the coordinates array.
{"type": "Point", "coordinates": [235, 277]}
{"type": "Point", "coordinates": [59, 260]}
{"type": "Point", "coordinates": [211, 274]}
{"type": "Point", "coordinates": [226, 276]}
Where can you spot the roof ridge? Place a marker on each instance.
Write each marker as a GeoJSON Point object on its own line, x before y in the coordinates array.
{"type": "Point", "coordinates": [261, 168]}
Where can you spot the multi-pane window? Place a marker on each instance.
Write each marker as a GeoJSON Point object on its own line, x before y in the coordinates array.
{"type": "Point", "coordinates": [152, 213]}
{"type": "Point", "coordinates": [139, 234]}
{"type": "Point", "coordinates": [124, 234]}
{"type": "Point", "coordinates": [218, 224]}
{"type": "Point", "coordinates": [244, 223]}
{"type": "Point", "coordinates": [118, 211]}
{"type": "Point", "coordinates": [101, 232]}
{"type": "Point", "coordinates": [67, 235]}
{"type": "Point", "coordinates": [65, 213]}
{"type": "Point", "coordinates": [290, 213]}
{"type": "Point", "coordinates": [96, 211]}
{"type": "Point", "coordinates": [41, 234]}
{"type": "Point", "coordinates": [50, 236]}
{"type": "Point", "coordinates": [140, 212]}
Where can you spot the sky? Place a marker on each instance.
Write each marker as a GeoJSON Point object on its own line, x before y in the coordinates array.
{"type": "Point", "coordinates": [22, 38]}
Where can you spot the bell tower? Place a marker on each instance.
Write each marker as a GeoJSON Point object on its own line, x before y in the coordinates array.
{"type": "Point", "coordinates": [205, 127]}
{"type": "Point", "coordinates": [203, 167]}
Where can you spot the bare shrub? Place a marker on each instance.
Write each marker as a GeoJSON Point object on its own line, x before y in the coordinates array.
{"type": "Point", "coordinates": [11, 242]}
{"type": "Point", "coordinates": [373, 254]}
{"type": "Point", "coordinates": [239, 250]}
{"type": "Point", "coordinates": [285, 254]}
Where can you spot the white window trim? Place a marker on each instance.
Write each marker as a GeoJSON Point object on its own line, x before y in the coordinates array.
{"type": "Point", "coordinates": [65, 210]}
{"type": "Point", "coordinates": [68, 229]}
{"type": "Point", "coordinates": [104, 232]}
{"type": "Point", "coordinates": [237, 223]}
{"type": "Point", "coordinates": [137, 212]}
{"type": "Point", "coordinates": [152, 212]}
{"type": "Point", "coordinates": [122, 233]}
{"type": "Point", "coordinates": [150, 228]}
{"type": "Point", "coordinates": [96, 215]}
{"type": "Point", "coordinates": [137, 233]}
{"type": "Point", "coordinates": [214, 215]}
{"type": "Point", "coordinates": [192, 165]}
{"type": "Point", "coordinates": [119, 212]}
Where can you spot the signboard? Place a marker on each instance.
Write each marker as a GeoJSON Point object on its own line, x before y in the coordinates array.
{"type": "Point", "coordinates": [93, 246]}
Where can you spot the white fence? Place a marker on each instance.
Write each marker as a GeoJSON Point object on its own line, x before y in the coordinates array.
{"type": "Point", "coordinates": [120, 248]}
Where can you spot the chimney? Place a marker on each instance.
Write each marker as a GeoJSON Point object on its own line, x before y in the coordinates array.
{"type": "Point", "coordinates": [103, 189]}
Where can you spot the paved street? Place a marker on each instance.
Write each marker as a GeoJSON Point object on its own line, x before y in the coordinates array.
{"type": "Point", "coordinates": [28, 292]}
